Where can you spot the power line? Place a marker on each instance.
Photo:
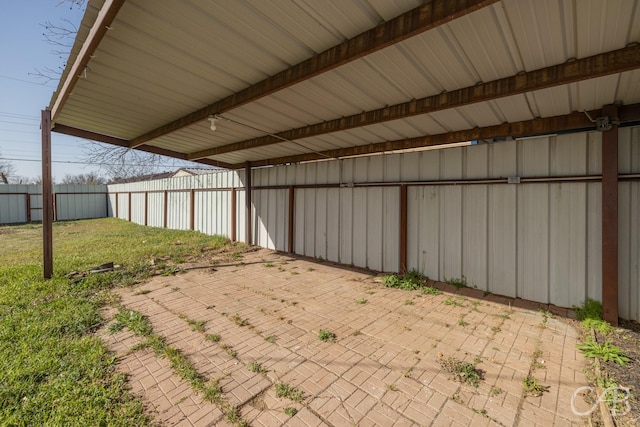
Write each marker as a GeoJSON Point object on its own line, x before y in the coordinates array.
{"type": "Point", "coordinates": [89, 163]}
{"type": "Point", "coordinates": [27, 81]}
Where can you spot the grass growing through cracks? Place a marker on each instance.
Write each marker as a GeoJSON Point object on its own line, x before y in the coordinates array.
{"type": "Point", "coordinates": [54, 370]}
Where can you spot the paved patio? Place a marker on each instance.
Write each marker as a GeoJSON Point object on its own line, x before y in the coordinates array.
{"type": "Point", "coordinates": [384, 367]}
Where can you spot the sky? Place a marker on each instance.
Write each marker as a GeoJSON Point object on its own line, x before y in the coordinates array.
{"type": "Point", "coordinates": [23, 95]}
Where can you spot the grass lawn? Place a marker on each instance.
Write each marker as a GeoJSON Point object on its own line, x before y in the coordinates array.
{"type": "Point", "coordinates": [53, 370]}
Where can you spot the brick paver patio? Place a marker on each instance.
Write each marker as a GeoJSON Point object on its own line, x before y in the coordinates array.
{"type": "Point", "coordinates": [384, 367]}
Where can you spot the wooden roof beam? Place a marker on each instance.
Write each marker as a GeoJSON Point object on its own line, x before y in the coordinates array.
{"type": "Point", "coordinates": [81, 133]}
{"type": "Point", "coordinates": [427, 16]}
{"type": "Point", "coordinates": [600, 65]}
{"type": "Point", "coordinates": [573, 122]}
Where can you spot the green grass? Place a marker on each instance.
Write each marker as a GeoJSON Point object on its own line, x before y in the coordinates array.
{"type": "Point", "coordinates": [54, 370]}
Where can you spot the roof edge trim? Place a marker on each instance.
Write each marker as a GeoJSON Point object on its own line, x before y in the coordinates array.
{"type": "Point", "coordinates": [105, 17]}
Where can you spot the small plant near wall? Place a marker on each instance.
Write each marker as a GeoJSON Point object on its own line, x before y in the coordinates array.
{"type": "Point", "coordinates": [410, 281]}
{"type": "Point", "coordinates": [457, 282]}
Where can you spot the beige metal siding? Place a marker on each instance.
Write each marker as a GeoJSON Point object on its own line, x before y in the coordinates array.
{"type": "Point", "coordinates": [535, 240]}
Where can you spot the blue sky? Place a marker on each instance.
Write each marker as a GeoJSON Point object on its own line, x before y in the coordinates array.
{"type": "Point", "coordinates": [23, 96]}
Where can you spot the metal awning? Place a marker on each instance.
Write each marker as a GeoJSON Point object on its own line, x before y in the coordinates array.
{"type": "Point", "coordinates": [303, 80]}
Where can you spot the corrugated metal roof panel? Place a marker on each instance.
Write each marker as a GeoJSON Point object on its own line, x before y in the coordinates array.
{"type": "Point", "coordinates": [162, 61]}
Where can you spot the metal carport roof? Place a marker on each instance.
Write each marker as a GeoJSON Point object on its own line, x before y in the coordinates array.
{"type": "Point", "coordinates": [304, 80]}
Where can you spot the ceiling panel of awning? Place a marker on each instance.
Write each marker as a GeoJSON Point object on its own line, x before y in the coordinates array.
{"type": "Point", "coordinates": [161, 61]}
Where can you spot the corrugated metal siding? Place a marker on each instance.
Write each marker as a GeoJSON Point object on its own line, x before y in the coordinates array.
{"type": "Point", "coordinates": [538, 241]}
{"type": "Point", "coordinates": [72, 202]}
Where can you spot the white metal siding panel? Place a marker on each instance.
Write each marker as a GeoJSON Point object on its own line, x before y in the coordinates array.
{"type": "Point", "coordinates": [533, 241]}
{"type": "Point", "coordinates": [321, 223]}
{"type": "Point", "coordinates": [373, 218]}
{"type": "Point", "coordinates": [567, 243]}
{"type": "Point", "coordinates": [423, 239]}
{"type": "Point", "coordinates": [360, 227]}
{"type": "Point", "coordinates": [346, 225]}
{"type": "Point", "coordinates": [502, 240]}
{"type": "Point", "coordinates": [391, 229]}
{"type": "Point", "coordinates": [533, 157]}
{"type": "Point", "coordinates": [629, 251]}
{"type": "Point", "coordinates": [450, 232]}
{"type": "Point", "coordinates": [12, 208]}
{"type": "Point", "coordinates": [334, 229]}
{"type": "Point", "coordinates": [137, 208]}
{"type": "Point", "coordinates": [474, 235]}
{"type": "Point", "coordinates": [156, 210]}
{"type": "Point", "coordinates": [594, 241]}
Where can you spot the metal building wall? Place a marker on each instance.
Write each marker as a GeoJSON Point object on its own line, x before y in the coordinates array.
{"type": "Point", "coordinates": [539, 239]}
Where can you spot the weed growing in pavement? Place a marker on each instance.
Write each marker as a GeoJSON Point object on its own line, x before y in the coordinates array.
{"type": "Point", "coordinates": [455, 302]}
{"type": "Point", "coordinates": [271, 338]}
{"type": "Point", "coordinates": [196, 325]}
{"type": "Point", "coordinates": [496, 391]}
{"type": "Point", "coordinates": [361, 301]}
{"type": "Point", "coordinates": [255, 367]}
{"type": "Point", "coordinates": [233, 416]}
{"type": "Point", "coordinates": [392, 387]}
{"type": "Point", "coordinates": [288, 392]}
{"type": "Point", "coordinates": [289, 411]}
{"type": "Point", "coordinates": [464, 372]}
{"type": "Point", "coordinates": [495, 329]}
{"type": "Point", "coordinates": [326, 335]}
{"type": "Point", "coordinates": [142, 292]}
{"type": "Point", "coordinates": [463, 323]}
{"type": "Point", "coordinates": [531, 386]}
{"type": "Point", "coordinates": [239, 320]}
{"type": "Point", "coordinates": [408, 302]}
{"type": "Point", "coordinates": [269, 265]}
{"type": "Point", "coordinates": [212, 337]}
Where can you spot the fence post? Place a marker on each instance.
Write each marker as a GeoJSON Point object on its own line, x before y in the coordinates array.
{"type": "Point", "coordinates": [129, 210]}
{"type": "Point", "coordinates": [165, 209]}
{"type": "Point", "coordinates": [233, 214]}
{"type": "Point", "coordinates": [47, 200]}
{"type": "Point", "coordinates": [28, 203]}
{"type": "Point", "coordinates": [146, 208]}
{"type": "Point", "coordinates": [247, 200]}
{"type": "Point", "coordinates": [192, 207]}
{"type": "Point", "coordinates": [402, 268]}
{"type": "Point", "coordinates": [291, 218]}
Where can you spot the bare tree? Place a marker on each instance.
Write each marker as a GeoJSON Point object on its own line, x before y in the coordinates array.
{"type": "Point", "coordinates": [115, 162]}
{"type": "Point", "coordinates": [61, 36]}
{"type": "Point", "coordinates": [7, 169]}
{"type": "Point", "coordinates": [90, 178]}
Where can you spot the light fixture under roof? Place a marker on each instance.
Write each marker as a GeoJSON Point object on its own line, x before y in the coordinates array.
{"type": "Point", "coordinates": [213, 119]}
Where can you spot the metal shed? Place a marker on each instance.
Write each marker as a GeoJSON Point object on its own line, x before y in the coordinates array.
{"type": "Point", "coordinates": [248, 84]}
